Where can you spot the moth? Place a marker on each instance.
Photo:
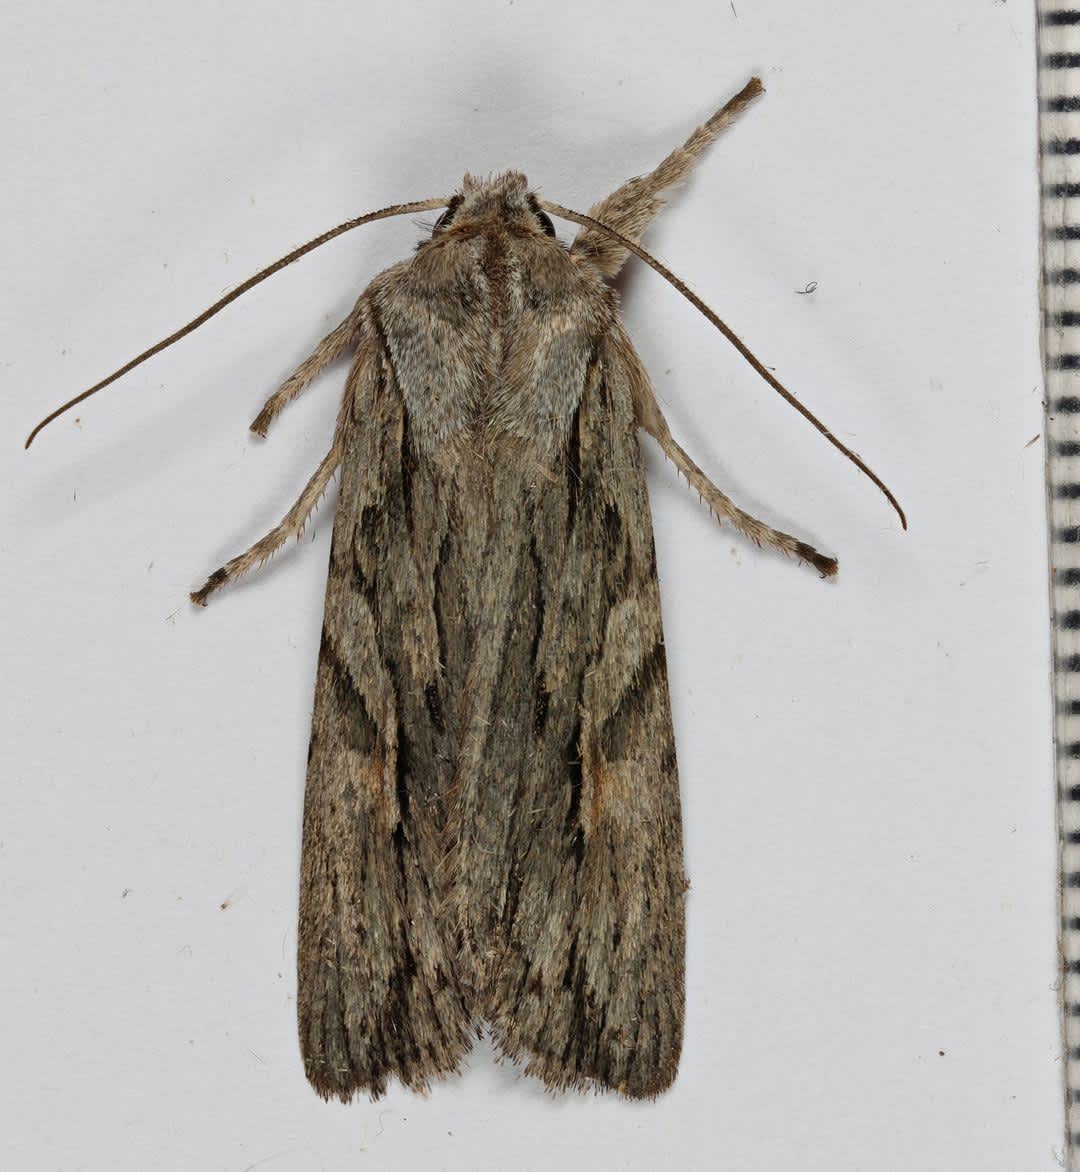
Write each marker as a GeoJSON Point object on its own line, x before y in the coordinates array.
{"type": "Point", "coordinates": [491, 829]}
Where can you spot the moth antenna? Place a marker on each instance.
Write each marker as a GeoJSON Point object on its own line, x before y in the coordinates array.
{"type": "Point", "coordinates": [588, 222]}
{"type": "Point", "coordinates": [401, 209]}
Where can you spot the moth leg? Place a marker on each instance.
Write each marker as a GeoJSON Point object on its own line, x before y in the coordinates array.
{"type": "Point", "coordinates": [292, 525]}
{"type": "Point", "coordinates": [724, 508]}
{"type": "Point", "coordinates": [331, 347]}
{"type": "Point", "coordinates": [631, 207]}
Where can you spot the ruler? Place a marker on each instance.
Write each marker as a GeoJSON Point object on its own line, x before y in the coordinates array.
{"type": "Point", "coordinates": [1059, 154]}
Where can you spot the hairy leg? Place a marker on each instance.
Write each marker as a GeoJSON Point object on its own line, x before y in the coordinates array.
{"type": "Point", "coordinates": [332, 346]}
{"type": "Point", "coordinates": [724, 508]}
{"type": "Point", "coordinates": [292, 525]}
{"type": "Point", "coordinates": [630, 208]}
{"type": "Point", "coordinates": [651, 419]}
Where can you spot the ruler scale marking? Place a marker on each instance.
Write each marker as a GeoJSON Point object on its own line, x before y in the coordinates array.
{"type": "Point", "coordinates": [1059, 162]}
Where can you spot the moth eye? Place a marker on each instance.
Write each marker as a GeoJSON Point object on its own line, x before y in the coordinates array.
{"type": "Point", "coordinates": [543, 220]}
{"type": "Point", "coordinates": [444, 220]}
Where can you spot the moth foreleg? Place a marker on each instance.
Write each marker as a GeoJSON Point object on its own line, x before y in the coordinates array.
{"type": "Point", "coordinates": [332, 346]}
{"type": "Point", "coordinates": [292, 525]}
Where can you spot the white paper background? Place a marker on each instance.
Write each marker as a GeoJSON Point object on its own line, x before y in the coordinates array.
{"type": "Point", "coordinates": [865, 765]}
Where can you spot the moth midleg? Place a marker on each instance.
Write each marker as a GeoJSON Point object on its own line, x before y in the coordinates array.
{"type": "Point", "coordinates": [332, 346]}
{"type": "Point", "coordinates": [724, 508]}
{"type": "Point", "coordinates": [651, 419]}
{"type": "Point", "coordinates": [292, 525]}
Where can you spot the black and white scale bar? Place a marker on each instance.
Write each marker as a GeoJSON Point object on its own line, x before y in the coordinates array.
{"type": "Point", "coordinates": [1059, 139]}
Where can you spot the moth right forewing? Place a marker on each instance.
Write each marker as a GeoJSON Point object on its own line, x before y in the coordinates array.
{"type": "Point", "coordinates": [589, 991]}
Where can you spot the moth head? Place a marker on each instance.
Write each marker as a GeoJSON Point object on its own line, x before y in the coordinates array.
{"type": "Point", "coordinates": [481, 204]}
